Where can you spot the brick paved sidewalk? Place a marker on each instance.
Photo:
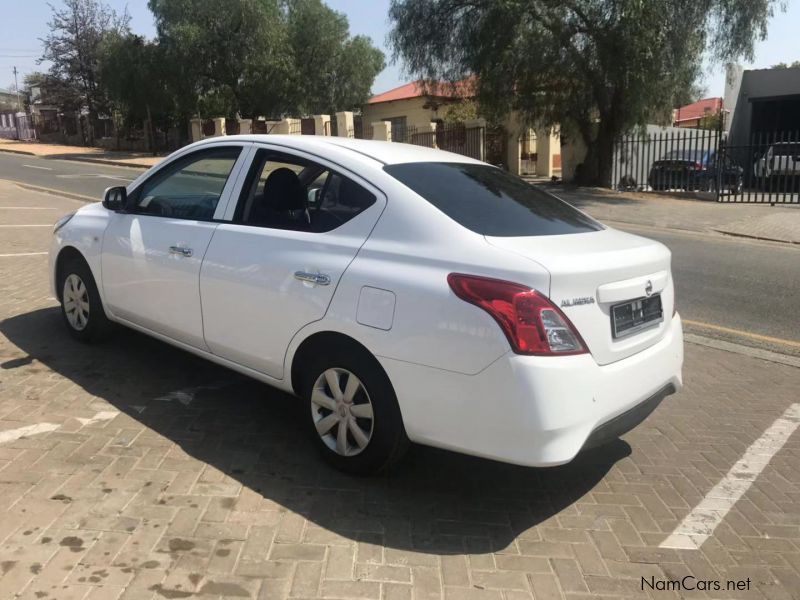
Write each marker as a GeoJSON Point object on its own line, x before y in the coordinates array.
{"type": "Point", "coordinates": [81, 153]}
{"type": "Point", "coordinates": [777, 223]}
{"type": "Point", "coordinates": [133, 470]}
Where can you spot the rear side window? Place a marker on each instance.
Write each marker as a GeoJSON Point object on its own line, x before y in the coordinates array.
{"type": "Point", "coordinates": [288, 192]}
{"type": "Point", "coordinates": [489, 201]}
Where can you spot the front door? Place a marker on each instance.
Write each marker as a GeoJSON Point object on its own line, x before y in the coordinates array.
{"type": "Point", "coordinates": [152, 252]}
{"type": "Point", "coordinates": [274, 269]}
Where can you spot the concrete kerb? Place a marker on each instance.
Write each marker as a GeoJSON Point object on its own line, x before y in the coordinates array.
{"type": "Point", "coordinates": [46, 190]}
{"type": "Point", "coordinates": [99, 161]}
{"type": "Point", "coordinates": [25, 152]}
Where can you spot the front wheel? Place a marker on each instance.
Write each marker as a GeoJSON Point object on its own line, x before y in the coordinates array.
{"type": "Point", "coordinates": [81, 306]}
{"type": "Point", "coordinates": [354, 416]}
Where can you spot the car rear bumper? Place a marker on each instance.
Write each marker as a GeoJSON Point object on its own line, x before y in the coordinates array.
{"type": "Point", "coordinates": [536, 411]}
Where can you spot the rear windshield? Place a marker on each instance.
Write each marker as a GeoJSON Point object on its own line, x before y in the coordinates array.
{"type": "Point", "coordinates": [696, 155]}
{"type": "Point", "coordinates": [489, 201]}
{"type": "Point", "coordinates": [786, 149]}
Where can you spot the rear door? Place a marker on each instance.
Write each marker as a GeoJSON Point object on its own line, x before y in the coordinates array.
{"type": "Point", "coordinates": [275, 267]}
{"type": "Point", "coordinates": [152, 252]}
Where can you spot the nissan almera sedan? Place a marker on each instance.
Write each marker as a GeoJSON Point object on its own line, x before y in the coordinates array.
{"type": "Point", "coordinates": [401, 292]}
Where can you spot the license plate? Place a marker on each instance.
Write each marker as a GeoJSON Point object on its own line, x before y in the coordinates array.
{"type": "Point", "coordinates": [636, 315]}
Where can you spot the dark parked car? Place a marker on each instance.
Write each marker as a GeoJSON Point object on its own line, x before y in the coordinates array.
{"type": "Point", "coordinates": [694, 170]}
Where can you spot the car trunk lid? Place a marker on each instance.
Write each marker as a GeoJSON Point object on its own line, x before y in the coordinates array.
{"type": "Point", "coordinates": [591, 273]}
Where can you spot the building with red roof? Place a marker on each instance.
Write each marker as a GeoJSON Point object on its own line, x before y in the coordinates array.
{"type": "Point", "coordinates": [693, 114]}
{"type": "Point", "coordinates": [416, 104]}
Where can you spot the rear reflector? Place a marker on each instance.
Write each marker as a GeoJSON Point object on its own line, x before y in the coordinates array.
{"type": "Point", "coordinates": [532, 324]}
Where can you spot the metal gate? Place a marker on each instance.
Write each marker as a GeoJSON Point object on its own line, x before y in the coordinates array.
{"type": "Point", "coordinates": [765, 170]}
{"type": "Point", "coordinates": [308, 126]}
{"type": "Point", "coordinates": [666, 159]}
{"type": "Point", "coordinates": [25, 129]}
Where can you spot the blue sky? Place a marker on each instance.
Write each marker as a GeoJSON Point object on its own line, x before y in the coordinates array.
{"type": "Point", "coordinates": [20, 46]}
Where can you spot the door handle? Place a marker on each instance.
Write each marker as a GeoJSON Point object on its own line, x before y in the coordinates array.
{"type": "Point", "coordinates": [317, 278]}
{"type": "Point", "coordinates": [180, 250]}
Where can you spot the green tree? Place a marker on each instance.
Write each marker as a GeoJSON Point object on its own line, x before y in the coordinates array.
{"type": "Point", "coordinates": [55, 91]}
{"type": "Point", "coordinates": [597, 67]}
{"type": "Point", "coordinates": [783, 65]}
{"type": "Point", "coordinates": [136, 77]}
{"type": "Point", "coordinates": [331, 71]}
{"type": "Point", "coordinates": [264, 57]}
{"type": "Point", "coordinates": [222, 47]}
{"type": "Point", "coordinates": [460, 112]}
{"type": "Point", "coordinates": [72, 47]}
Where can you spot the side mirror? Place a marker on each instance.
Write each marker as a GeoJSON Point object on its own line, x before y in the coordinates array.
{"type": "Point", "coordinates": [115, 198]}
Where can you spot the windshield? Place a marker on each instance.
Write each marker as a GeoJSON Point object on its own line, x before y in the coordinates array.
{"type": "Point", "coordinates": [491, 202]}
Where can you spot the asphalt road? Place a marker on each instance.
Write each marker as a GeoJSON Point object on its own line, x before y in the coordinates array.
{"type": "Point", "coordinates": [747, 286]}
{"type": "Point", "coordinates": [87, 179]}
{"type": "Point", "coordinates": [750, 288]}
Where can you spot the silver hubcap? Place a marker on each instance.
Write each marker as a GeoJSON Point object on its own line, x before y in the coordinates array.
{"type": "Point", "coordinates": [76, 302]}
{"type": "Point", "coordinates": [342, 411]}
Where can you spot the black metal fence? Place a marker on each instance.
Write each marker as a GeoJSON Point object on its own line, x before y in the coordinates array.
{"type": "Point", "coordinates": [675, 160]}
{"type": "Point", "coordinates": [767, 169]}
{"type": "Point", "coordinates": [527, 152]}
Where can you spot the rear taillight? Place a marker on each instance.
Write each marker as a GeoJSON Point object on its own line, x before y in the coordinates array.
{"type": "Point", "coordinates": [532, 324]}
{"type": "Point", "coordinates": [698, 166]}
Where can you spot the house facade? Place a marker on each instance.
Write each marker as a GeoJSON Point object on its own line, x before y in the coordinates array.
{"type": "Point", "coordinates": [415, 105]}
{"type": "Point", "coordinates": [420, 106]}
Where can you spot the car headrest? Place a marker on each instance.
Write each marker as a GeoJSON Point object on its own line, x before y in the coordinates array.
{"type": "Point", "coordinates": [353, 195]}
{"type": "Point", "coordinates": [283, 191]}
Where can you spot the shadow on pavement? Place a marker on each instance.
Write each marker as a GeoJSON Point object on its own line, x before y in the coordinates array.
{"type": "Point", "coordinates": [435, 501]}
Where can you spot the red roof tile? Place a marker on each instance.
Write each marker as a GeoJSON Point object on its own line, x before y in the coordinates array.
{"type": "Point", "coordinates": [417, 89]}
{"type": "Point", "coordinates": [698, 110]}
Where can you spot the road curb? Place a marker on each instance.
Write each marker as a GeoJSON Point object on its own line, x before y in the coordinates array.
{"type": "Point", "coordinates": [46, 190]}
{"type": "Point", "coordinates": [700, 232]}
{"type": "Point", "coordinates": [113, 163]}
{"type": "Point", "coordinates": [23, 152]}
{"type": "Point", "coordinates": [755, 237]}
{"type": "Point", "coordinates": [768, 355]}
{"type": "Point", "coordinates": [99, 161]}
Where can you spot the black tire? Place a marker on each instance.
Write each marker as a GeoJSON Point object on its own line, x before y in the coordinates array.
{"type": "Point", "coordinates": [388, 442]}
{"type": "Point", "coordinates": [96, 326]}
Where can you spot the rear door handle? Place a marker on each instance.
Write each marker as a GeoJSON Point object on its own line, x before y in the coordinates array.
{"type": "Point", "coordinates": [316, 278]}
{"type": "Point", "coordinates": [180, 250]}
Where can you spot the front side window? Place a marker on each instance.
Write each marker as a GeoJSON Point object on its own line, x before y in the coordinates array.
{"type": "Point", "coordinates": [190, 188]}
{"type": "Point", "coordinates": [286, 192]}
{"type": "Point", "coordinates": [489, 201]}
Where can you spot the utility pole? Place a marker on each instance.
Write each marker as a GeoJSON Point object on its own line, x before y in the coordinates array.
{"type": "Point", "coordinates": [16, 87]}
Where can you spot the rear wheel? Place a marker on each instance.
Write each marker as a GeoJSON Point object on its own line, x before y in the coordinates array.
{"type": "Point", "coordinates": [81, 306]}
{"type": "Point", "coordinates": [354, 416]}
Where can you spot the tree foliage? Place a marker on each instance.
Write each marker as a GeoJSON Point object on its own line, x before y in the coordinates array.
{"type": "Point", "coordinates": [73, 49]}
{"type": "Point", "coordinates": [210, 58]}
{"type": "Point", "coordinates": [330, 70]}
{"type": "Point", "coordinates": [460, 112]}
{"type": "Point", "coordinates": [597, 67]}
{"type": "Point", "coordinates": [782, 65]}
{"type": "Point", "coordinates": [267, 57]}
{"type": "Point", "coordinates": [55, 91]}
{"type": "Point", "coordinates": [232, 53]}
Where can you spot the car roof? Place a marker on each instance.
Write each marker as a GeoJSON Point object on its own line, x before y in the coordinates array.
{"type": "Point", "coordinates": [387, 153]}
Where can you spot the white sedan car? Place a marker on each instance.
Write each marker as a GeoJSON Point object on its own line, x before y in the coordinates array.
{"type": "Point", "coordinates": [403, 293]}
